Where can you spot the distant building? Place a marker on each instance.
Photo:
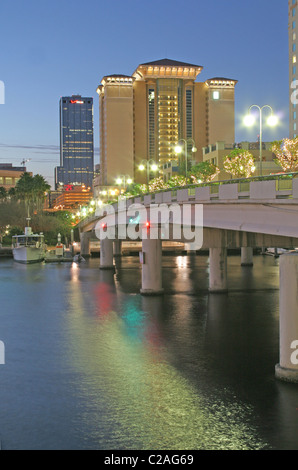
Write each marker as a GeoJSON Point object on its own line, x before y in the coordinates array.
{"type": "Point", "coordinates": [143, 116]}
{"type": "Point", "coordinates": [216, 154]}
{"type": "Point", "coordinates": [96, 177]}
{"type": "Point", "coordinates": [76, 142]}
{"type": "Point", "coordinates": [293, 71]}
{"type": "Point", "coordinates": [70, 198]}
{"type": "Point", "coordinates": [10, 175]}
{"type": "Point", "coordinates": [170, 169]}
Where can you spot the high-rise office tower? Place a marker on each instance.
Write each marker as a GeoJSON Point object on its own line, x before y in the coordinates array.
{"type": "Point", "coordinates": [293, 75]}
{"type": "Point", "coordinates": [145, 115]}
{"type": "Point", "coordinates": [76, 142]}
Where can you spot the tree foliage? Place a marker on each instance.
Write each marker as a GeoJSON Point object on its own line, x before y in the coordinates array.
{"type": "Point", "coordinates": [3, 192]}
{"type": "Point", "coordinates": [203, 172]}
{"type": "Point", "coordinates": [286, 152]}
{"type": "Point", "coordinates": [240, 163]}
{"type": "Point", "coordinates": [32, 189]}
{"type": "Point", "coordinates": [13, 220]}
{"type": "Point", "coordinates": [176, 181]}
{"type": "Point", "coordinates": [29, 194]}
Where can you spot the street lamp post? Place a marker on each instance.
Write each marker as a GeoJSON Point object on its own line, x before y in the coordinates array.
{"type": "Point", "coordinates": [178, 150]}
{"type": "Point", "coordinates": [148, 165]}
{"type": "Point", "coordinates": [125, 179]}
{"type": "Point", "coordinates": [249, 120]}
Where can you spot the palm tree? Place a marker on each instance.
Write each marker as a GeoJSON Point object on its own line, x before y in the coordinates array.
{"type": "Point", "coordinates": [3, 193]}
{"type": "Point", "coordinates": [32, 189]}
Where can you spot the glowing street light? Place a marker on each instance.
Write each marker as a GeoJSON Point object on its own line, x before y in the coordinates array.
{"type": "Point", "coordinates": [179, 149]}
{"type": "Point", "coordinates": [272, 121]}
{"type": "Point", "coordinates": [249, 121]}
{"type": "Point", "coordinates": [149, 165]}
{"type": "Point", "coordinates": [124, 180]}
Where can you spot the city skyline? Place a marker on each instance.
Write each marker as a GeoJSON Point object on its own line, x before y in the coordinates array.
{"type": "Point", "coordinates": [43, 58]}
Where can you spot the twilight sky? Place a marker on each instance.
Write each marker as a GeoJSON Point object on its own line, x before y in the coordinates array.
{"type": "Point", "coordinates": [54, 48]}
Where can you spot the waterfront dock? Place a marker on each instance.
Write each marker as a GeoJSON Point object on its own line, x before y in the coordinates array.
{"type": "Point", "coordinates": [5, 252]}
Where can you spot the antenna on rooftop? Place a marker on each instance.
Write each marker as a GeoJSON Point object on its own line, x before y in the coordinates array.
{"type": "Point", "coordinates": [23, 162]}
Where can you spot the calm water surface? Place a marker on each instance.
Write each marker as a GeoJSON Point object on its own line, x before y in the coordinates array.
{"type": "Point", "coordinates": [91, 364]}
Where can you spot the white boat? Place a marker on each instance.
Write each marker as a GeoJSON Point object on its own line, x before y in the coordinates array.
{"type": "Point", "coordinates": [28, 248]}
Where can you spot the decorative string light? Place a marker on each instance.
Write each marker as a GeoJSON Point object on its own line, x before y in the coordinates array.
{"type": "Point", "coordinates": [286, 154]}
{"type": "Point", "coordinates": [240, 163]}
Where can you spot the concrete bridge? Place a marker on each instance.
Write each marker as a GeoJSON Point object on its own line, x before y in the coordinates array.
{"type": "Point", "coordinates": [244, 214]}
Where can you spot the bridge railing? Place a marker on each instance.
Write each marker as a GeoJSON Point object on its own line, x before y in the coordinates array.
{"type": "Point", "coordinates": [271, 187]}
{"type": "Point", "coordinates": [282, 184]}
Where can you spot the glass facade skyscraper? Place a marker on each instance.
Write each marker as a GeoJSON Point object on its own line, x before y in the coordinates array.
{"type": "Point", "coordinates": [76, 142]}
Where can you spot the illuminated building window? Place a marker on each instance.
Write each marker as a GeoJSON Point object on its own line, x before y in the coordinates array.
{"type": "Point", "coordinates": [151, 119]}
{"type": "Point", "coordinates": [294, 59]}
{"type": "Point", "coordinates": [168, 105]}
{"type": "Point", "coordinates": [215, 95]}
{"type": "Point", "coordinates": [188, 98]}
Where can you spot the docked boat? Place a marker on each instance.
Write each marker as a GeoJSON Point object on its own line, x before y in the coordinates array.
{"type": "Point", "coordinates": [28, 248]}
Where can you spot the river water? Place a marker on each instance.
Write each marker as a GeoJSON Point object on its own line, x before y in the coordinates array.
{"type": "Point", "coordinates": [91, 364]}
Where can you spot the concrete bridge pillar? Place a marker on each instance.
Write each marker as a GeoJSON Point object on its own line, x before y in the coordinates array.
{"type": "Point", "coordinates": [287, 369]}
{"type": "Point", "coordinates": [106, 254]}
{"type": "Point", "coordinates": [85, 244]}
{"type": "Point", "coordinates": [117, 248]}
{"type": "Point", "coordinates": [218, 282]}
{"type": "Point", "coordinates": [151, 259]}
{"type": "Point", "coordinates": [247, 256]}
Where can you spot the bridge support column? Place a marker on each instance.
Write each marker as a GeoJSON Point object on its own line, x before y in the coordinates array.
{"type": "Point", "coordinates": [287, 369]}
{"type": "Point", "coordinates": [106, 254]}
{"type": "Point", "coordinates": [218, 280]}
{"type": "Point", "coordinates": [151, 267]}
{"type": "Point", "coordinates": [85, 244]}
{"type": "Point", "coordinates": [247, 256]}
{"type": "Point", "coordinates": [117, 248]}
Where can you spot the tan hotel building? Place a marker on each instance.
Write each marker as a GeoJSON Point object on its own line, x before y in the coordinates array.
{"type": "Point", "coordinates": [145, 115]}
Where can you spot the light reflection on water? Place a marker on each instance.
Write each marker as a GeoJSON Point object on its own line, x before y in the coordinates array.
{"type": "Point", "coordinates": [92, 364]}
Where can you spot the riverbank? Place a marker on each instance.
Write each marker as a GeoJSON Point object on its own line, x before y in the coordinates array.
{"type": "Point", "coordinates": [5, 252]}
